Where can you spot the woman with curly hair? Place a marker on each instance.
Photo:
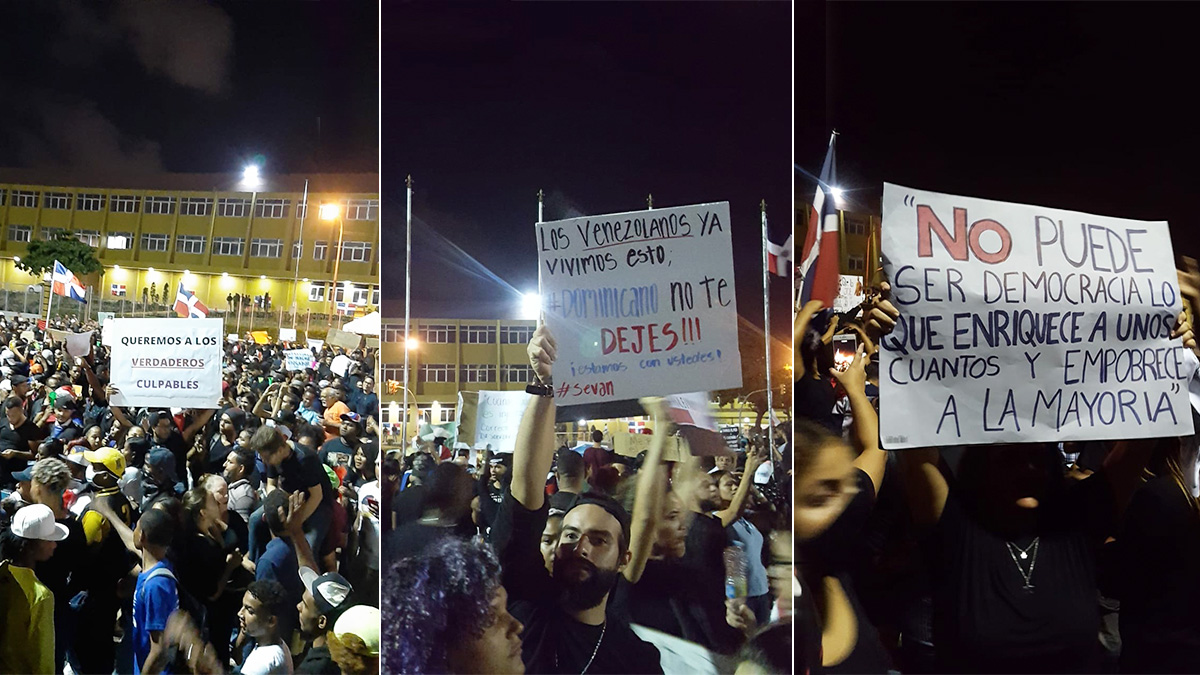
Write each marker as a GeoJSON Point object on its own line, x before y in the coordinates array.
{"type": "Point", "coordinates": [448, 613]}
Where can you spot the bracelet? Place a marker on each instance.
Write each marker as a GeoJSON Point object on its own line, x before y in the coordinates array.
{"type": "Point", "coordinates": [540, 389]}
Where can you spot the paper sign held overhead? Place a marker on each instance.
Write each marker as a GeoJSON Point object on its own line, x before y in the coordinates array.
{"type": "Point", "coordinates": [1023, 324]}
{"type": "Point", "coordinates": [298, 359]}
{"type": "Point", "coordinates": [640, 303]}
{"type": "Point", "coordinates": [490, 418]}
{"type": "Point", "coordinates": [165, 362]}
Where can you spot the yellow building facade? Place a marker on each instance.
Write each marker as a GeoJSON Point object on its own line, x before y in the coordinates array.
{"type": "Point", "coordinates": [854, 231]}
{"type": "Point", "coordinates": [150, 233]}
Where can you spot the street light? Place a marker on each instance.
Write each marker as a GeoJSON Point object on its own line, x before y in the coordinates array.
{"type": "Point", "coordinates": [330, 213]}
{"type": "Point", "coordinates": [531, 305]}
{"type": "Point", "coordinates": [411, 343]}
{"type": "Point", "coordinates": [251, 176]}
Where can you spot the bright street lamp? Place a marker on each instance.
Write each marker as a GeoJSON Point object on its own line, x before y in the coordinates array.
{"type": "Point", "coordinates": [251, 176]}
{"type": "Point", "coordinates": [329, 212]}
{"type": "Point", "coordinates": [411, 343]}
{"type": "Point", "coordinates": [531, 305]}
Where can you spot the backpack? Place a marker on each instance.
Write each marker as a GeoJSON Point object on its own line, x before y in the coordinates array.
{"type": "Point", "coordinates": [188, 604]}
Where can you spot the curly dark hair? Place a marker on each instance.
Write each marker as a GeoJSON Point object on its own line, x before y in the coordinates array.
{"type": "Point", "coordinates": [435, 600]}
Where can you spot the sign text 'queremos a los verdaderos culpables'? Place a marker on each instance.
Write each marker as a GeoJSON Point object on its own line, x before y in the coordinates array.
{"type": "Point", "coordinates": [640, 303]}
{"type": "Point", "coordinates": [1023, 323]}
{"type": "Point", "coordinates": [165, 362]}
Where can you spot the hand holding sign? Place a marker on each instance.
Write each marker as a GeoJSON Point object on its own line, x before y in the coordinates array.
{"type": "Point", "coordinates": [542, 350]}
{"type": "Point", "coordinates": [879, 314]}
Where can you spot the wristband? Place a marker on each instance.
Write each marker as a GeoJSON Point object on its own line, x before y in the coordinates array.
{"type": "Point", "coordinates": [539, 389]}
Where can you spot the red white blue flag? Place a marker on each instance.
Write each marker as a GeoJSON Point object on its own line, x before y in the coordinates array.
{"type": "Point", "coordinates": [819, 257]}
{"type": "Point", "coordinates": [63, 282]}
{"type": "Point", "coordinates": [188, 305]}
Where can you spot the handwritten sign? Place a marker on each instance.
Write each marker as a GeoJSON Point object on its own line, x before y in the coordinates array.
{"type": "Point", "coordinates": [165, 362]}
{"type": "Point", "coordinates": [490, 418]}
{"type": "Point", "coordinates": [298, 359]}
{"type": "Point", "coordinates": [850, 293]}
{"type": "Point", "coordinates": [1023, 323]}
{"type": "Point", "coordinates": [640, 303]}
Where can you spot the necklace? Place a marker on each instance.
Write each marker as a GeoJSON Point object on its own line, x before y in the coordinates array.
{"type": "Point", "coordinates": [1025, 553]}
{"type": "Point", "coordinates": [603, 627]}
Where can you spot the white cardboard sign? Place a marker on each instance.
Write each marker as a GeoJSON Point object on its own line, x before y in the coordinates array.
{"type": "Point", "coordinates": [298, 359]}
{"type": "Point", "coordinates": [640, 303]}
{"type": "Point", "coordinates": [497, 416]}
{"type": "Point", "coordinates": [1023, 323]}
{"type": "Point", "coordinates": [166, 362]}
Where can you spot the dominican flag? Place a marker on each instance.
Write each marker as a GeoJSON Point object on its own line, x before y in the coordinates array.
{"type": "Point", "coordinates": [64, 283]}
{"type": "Point", "coordinates": [188, 305]}
{"type": "Point", "coordinates": [779, 257]}
{"type": "Point", "coordinates": [819, 258]}
{"type": "Point", "coordinates": [118, 289]}
{"type": "Point", "coordinates": [637, 426]}
{"type": "Point", "coordinates": [346, 307]}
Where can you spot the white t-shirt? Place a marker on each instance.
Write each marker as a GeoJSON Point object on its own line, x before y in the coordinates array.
{"type": "Point", "coordinates": [268, 660]}
{"type": "Point", "coordinates": [368, 524]}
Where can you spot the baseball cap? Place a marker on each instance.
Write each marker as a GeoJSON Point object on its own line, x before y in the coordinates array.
{"type": "Point", "coordinates": [63, 400]}
{"type": "Point", "coordinates": [36, 521]}
{"type": "Point", "coordinates": [78, 458]}
{"type": "Point", "coordinates": [351, 417]}
{"type": "Point", "coordinates": [18, 379]}
{"type": "Point", "coordinates": [161, 458]}
{"type": "Point", "coordinates": [330, 591]}
{"type": "Point", "coordinates": [361, 621]}
{"type": "Point", "coordinates": [24, 475]}
{"type": "Point", "coordinates": [110, 458]}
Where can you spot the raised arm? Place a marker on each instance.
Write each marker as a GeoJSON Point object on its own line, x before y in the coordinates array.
{"type": "Point", "coordinates": [534, 453]}
{"type": "Point", "coordinates": [197, 424]}
{"type": "Point", "coordinates": [799, 327]}
{"type": "Point", "coordinates": [755, 457]}
{"type": "Point", "coordinates": [651, 492]}
{"type": "Point", "coordinates": [871, 459]}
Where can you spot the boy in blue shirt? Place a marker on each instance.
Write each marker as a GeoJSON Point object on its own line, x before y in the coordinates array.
{"type": "Point", "coordinates": [157, 594]}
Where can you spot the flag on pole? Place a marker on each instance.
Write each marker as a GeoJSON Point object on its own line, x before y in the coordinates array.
{"type": "Point", "coordinates": [63, 282]}
{"type": "Point", "coordinates": [779, 257]}
{"type": "Point", "coordinates": [820, 257]}
{"type": "Point", "coordinates": [118, 289]}
{"type": "Point", "coordinates": [188, 305]}
{"type": "Point", "coordinates": [873, 264]}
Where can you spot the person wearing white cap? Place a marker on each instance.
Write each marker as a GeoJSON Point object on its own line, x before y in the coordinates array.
{"type": "Point", "coordinates": [28, 647]}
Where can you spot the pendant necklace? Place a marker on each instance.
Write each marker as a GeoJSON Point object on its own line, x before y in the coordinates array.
{"type": "Point", "coordinates": [1029, 553]}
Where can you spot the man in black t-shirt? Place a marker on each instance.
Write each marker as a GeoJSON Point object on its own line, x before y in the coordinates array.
{"type": "Point", "coordinates": [341, 449]}
{"type": "Point", "coordinates": [18, 440]}
{"type": "Point", "coordinates": [292, 470]}
{"type": "Point", "coordinates": [567, 626]}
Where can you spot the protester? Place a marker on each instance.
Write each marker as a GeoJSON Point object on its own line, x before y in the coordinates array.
{"type": "Point", "coordinates": [30, 539]}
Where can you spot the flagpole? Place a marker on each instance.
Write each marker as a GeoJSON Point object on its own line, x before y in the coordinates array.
{"type": "Point", "coordinates": [767, 315]}
{"type": "Point", "coordinates": [50, 301]}
{"type": "Point", "coordinates": [408, 183]}
{"type": "Point", "coordinates": [300, 259]}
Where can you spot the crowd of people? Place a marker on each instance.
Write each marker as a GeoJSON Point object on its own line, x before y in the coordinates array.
{"type": "Point", "coordinates": [160, 539]}
{"type": "Point", "coordinates": [550, 560]}
{"type": "Point", "coordinates": [1029, 558]}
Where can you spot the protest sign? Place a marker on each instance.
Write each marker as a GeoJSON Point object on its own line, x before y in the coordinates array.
{"type": "Point", "coordinates": [343, 339]}
{"type": "Point", "coordinates": [490, 418]}
{"type": "Point", "coordinates": [631, 445]}
{"type": "Point", "coordinates": [732, 435]}
{"type": "Point", "coordinates": [340, 364]}
{"type": "Point", "coordinates": [77, 344]}
{"type": "Point", "coordinates": [165, 362]}
{"type": "Point", "coordinates": [640, 303]}
{"type": "Point", "coordinates": [315, 344]}
{"type": "Point", "coordinates": [287, 334]}
{"type": "Point", "coordinates": [1022, 323]}
{"type": "Point", "coordinates": [105, 316]}
{"type": "Point", "coordinates": [850, 293]}
{"type": "Point", "coordinates": [298, 359]}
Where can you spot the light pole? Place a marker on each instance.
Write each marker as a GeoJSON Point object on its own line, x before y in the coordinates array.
{"type": "Point", "coordinates": [252, 179]}
{"type": "Point", "coordinates": [410, 343]}
{"type": "Point", "coordinates": [299, 260]}
{"type": "Point", "coordinates": [330, 213]}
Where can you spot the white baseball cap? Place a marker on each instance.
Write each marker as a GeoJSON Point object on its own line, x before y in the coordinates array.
{"type": "Point", "coordinates": [36, 521]}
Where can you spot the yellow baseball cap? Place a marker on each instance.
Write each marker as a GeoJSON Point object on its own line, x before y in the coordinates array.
{"type": "Point", "coordinates": [109, 458]}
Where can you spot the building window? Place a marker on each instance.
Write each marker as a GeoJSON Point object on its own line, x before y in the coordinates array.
{"type": "Point", "coordinates": [320, 250]}
{"type": "Point", "coordinates": [480, 372]}
{"type": "Point", "coordinates": [51, 233]}
{"type": "Point", "coordinates": [89, 202]}
{"type": "Point", "coordinates": [266, 248]}
{"type": "Point", "coordinates": [120, 241]}
{"type": "Point", "coordinates": [362, 209]}
{"type": "Point", "coordinates": [357, 294]}
{"type": "Point", "coordinates": [233, 207]}
{"type": "Point", "coordinates": [393, 372]}
{"type": "Point", "coordinates": [59, 201]}
{"type": "Point", "coordinates": [3, 196]}
{"type": "Point", "coordinates": [435, 372]}
{"type": "Point", "coordinates": [855, 225]}
{"type": "Point", "coordinates": [89, 237]}
{"type": "Point", "coordinates": [228, 245]}
{"type": "Point", "coordinates": [516, 335]}
{"type": "Point", "coordinates": [26, 199]}
{"type": "Point", "coordinates": [124, 203]}
{"type": "Point", "coordinates": [516, 374]}
{"type": "Point", "coordinates": [271, 208]}
{"type": "Point", "coordinates": [425, 410]}
{"type": "Point", "coordinates": [356, 251]}
{"type": "Point", "coordinates": [160, 206]}
{"type": "Point", "coordinates": [302, 210]}
{"type": "Point", "coordinates": [155, 242]}
{"type": "Point", "coordinates": [478, 335]}
{"type": "Point", "coordinates": [855, 263]}
{"type": "Point", "coordinates": [297, 250]}
{"type": "Point", "coordinates": [316, 292]}
{"type": "Point", "coordinates": [438, 335]}
{"type": "Point", "coordinates": [393, 333]}
{"type": "Point", "coordinates": [191, 244]}
{"type": "Point", "coordinates": [20, 232]}
{"type": "Point", "coordinates": [195, 206]}
{"type": "Point", "coordinates": [375, 297]}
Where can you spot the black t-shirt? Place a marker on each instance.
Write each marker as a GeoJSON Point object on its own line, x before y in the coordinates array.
{"type": "Point", "coordinates": [1158, 556]}
{"type": "Point", "coordinates": [553, 641]}
{"type": "Point", "coordinates": [665, 598]}
{"type": "Point", "coordinates": [178, 447]}
{"type": "Point", "coordinates": [16, 439]}
{"type": "Point", "coordinates": [409, 504]}
{"type": "Point", "coordinates": [300, 471]}
{"type": "Point", "coordinates": [704, 564]}
{"type": "Point", "coordinates": [337, 445]}
{"type": "Point", "coordinates": [318, 661]}
{"type": "Point", "coordinates": [984, 620]}
{"type": "Point", "coordinates": [70, 555]}
{"type": "Point", "coordinates": [218, 451]}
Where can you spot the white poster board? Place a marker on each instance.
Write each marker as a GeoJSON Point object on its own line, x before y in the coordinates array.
{"type": "Point", "coordinates": [640, 303]}
{"type": "Point", "coordinates": [1023, 323]}
{"type": "Point", "coordinates": [494, 417]}
{"type": "Point", "coordinates": [298, 359]}
{"type": "Point", "coordinates": [165, 362]}
{"type": "Point", "coordinates": [850, 293]}
{"type": "Point", "coordinates": [287, 334]}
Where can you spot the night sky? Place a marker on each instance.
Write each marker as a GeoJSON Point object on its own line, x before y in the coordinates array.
{"type": "Point", "coordinates": [190, 86]}
{"type": "Point", "coordinates": [1082, 106]}
{"type": "Point", "coordinates": [597, 104]}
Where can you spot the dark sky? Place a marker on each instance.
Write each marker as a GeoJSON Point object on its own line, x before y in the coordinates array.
{"type": "Point", "coordinates": [1082, 106]}
{"type": "Point", "coordinates": [190, 86]}
{"type": "Point", "coordinates": [598, 104]}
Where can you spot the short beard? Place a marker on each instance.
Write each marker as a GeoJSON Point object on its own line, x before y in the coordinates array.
{"type": "Point", "coordinates": [708, 506]}
{"type": "Point", "coordinates": [586, 594]}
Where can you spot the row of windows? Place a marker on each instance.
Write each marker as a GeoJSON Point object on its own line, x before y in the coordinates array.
{"type": "Point", "coordinates": [470, 335]}
{"type": "Point", "coordinates": [193, 244]}
{"type": "Point", "coordinates": [227, 207]}
{"type": "Point", "coordinates": [355, 294]}
{"type": "Point", "coordinates": [471, 372]}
